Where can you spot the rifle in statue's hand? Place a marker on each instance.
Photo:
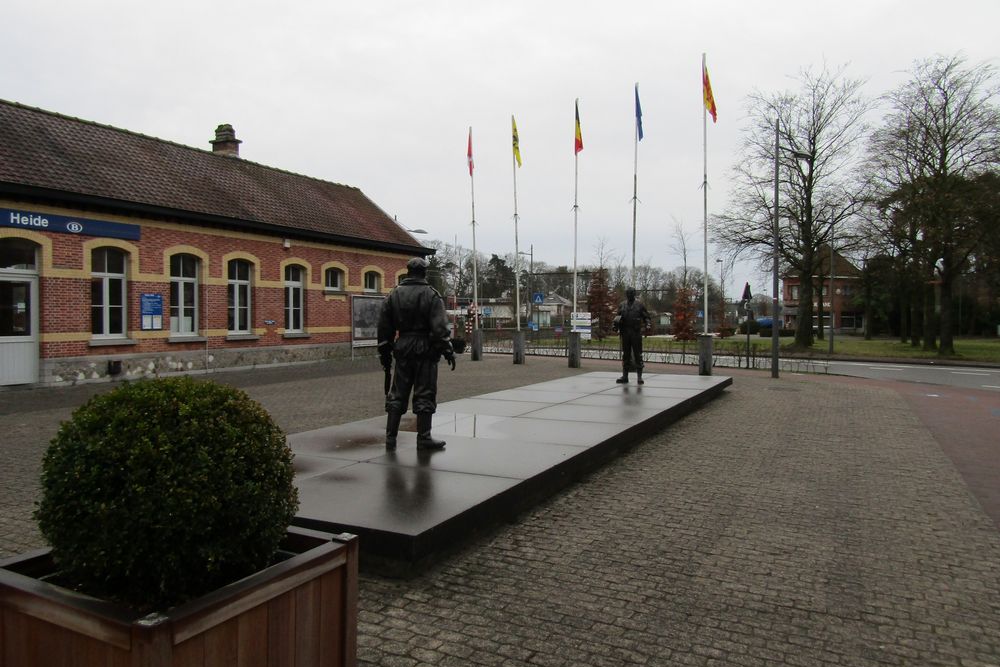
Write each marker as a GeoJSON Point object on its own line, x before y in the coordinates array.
{"type": "Point", "coordinates": [385, 357]}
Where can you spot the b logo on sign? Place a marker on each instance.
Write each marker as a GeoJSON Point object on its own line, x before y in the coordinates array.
{"type": "Point", "coordinates": [74, 227]}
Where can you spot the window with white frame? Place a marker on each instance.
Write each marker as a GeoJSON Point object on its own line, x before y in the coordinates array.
{"type": "Point", "coordinates": [334, 279]}
{"type": "Point", "coordinates": [183, 294]}
{"type": "Point", "coordinates": [373, 281]}
{"type": "Point", "coordinates": [294, 292]}
{"type": "Point", "coordinates": [238, 294]}
{"type": "Point", "coordinates": [108, 313]}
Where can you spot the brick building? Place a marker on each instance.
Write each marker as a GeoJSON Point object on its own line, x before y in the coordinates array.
{"type": "Point", "coordinates": [123, 255]}
{"type": "Point", "coordinates": [847, 317]}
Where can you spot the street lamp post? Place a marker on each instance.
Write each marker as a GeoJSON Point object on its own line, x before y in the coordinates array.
{"type": "Point", "coordinates": [722, 292]}
{"type": "Point", "coordinates": [775, 332]}
{"type": "Point", "coordinates": [832, 315]}
{"type": "Point", "coordinates": [531, 274]}
{"type": "Point", "coordinates": [405, 228]}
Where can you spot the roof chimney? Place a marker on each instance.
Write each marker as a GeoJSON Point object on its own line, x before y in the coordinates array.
{"type": "Point", "coordinates": [225, 142]}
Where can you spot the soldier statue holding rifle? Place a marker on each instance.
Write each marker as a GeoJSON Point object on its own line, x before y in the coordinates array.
{"type": "Point", "coordinates": [413, 330]}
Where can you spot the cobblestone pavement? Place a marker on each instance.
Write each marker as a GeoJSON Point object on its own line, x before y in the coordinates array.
{"type": "Point", "coordinates": [801, 521]}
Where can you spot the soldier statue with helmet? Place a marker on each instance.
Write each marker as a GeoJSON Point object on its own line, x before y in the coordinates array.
{"type": "Point", "coordinates": [413, 330]}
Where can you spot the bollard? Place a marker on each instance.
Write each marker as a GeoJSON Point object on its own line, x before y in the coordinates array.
{"type": "Point", "coordinates": [477, 344]}
{"type": "Point", "coordinates": [704, 354]}
{"type": "Point", "coordinates": [518, 347]}
{"type": "Point", "coordinates": [574, 349]}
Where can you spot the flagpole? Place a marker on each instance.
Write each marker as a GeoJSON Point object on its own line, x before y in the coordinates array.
{"type": "Point", "coordinates": [576, 176]}
{"type": "Point", "coordinates": [475, 257]}
{"type": "Point", "coordinates": [704, 185]}
{"type": "Point", "coordinates": [635, 179]}
{"type": "Point", "coordinates": [576, 208]}
{"type": "Point", "coordinates": [517, 250]}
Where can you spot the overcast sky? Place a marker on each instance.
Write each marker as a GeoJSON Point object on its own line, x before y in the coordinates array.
{"type": "Point", "coordinates": [380, 95]}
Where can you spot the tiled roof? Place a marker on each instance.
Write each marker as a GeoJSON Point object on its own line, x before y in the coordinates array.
{"type": "Point", "coordinates": [41, 149]}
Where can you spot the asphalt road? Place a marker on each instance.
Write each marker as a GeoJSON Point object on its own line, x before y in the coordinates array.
{"type": "Point", "coordinates": [967, 377]}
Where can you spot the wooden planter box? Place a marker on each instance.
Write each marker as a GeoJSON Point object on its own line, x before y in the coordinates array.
{"type": "Point", "coordinates": [300, 612]}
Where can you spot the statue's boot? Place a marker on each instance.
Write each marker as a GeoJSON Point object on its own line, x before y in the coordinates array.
{"type": "Point", "coordinates": [624, 378]}
{"type": "Point", "coordinates": [392, 428]}
{"type": "Point", "coordinates": [639, 374]}
{"type": "Point", "coordinates": [424, 439]}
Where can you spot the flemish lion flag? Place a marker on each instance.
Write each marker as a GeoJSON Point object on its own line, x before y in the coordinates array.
{"type": "Point", "coordinates": [470, 152]}
{"type": "Point", "coordinates": [579, 135]}
{"type": "Point", "coordinates": [706, 86]}
{"type": "Point", "coordinates": [516, 142]}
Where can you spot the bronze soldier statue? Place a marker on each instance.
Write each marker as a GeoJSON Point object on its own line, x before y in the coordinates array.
{"type": "Point", "coordinates": [632, 320]}
{"type": "Point", "coordinates": [415, 311]}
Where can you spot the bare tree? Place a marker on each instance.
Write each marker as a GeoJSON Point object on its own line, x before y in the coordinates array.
{"type": "Point", "coordinates": [605, 255]}
{"type": "Point", "coordinates": [680, 246]}
{"type": "Point", "coordinates": [819, 126]}
{"type": "Point", "coordinates": [931, 163]}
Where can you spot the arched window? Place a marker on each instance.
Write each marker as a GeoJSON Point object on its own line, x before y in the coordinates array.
{"type": "Point", "coordinates": [108, 312]}
{"type": "Point", "coordinates": [334, 279]}
{"type": "Point", "coordinates": [18, 263]}
{"type": "Point", "coordinates": [294, 292]}
{"type": "Point", "coordinates": [183, 294]}
{"type": "Point", "coordinates": [373, 281]}
{"type": "Point", "coordinates": [17, 254]}
{"type": "Point", "coordinates": [238, 295]}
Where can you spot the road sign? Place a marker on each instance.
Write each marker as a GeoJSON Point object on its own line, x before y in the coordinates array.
{"type": "Point", "coordinates": [538, 298]}
{"type": "Point", "coordinates": [580, 323]}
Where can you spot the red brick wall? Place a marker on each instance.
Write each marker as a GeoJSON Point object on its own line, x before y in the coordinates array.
{"type": "Point", "coordinates": [64, 286]}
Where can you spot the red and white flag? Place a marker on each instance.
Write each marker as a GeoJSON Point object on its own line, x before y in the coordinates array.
{"type": "Point", "coordinates": [471, 165]}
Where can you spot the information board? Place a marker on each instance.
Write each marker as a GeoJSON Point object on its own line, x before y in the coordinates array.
{"type": "Point", "coordinates": [364, 320]}
{"type": "Point", "coordinates": [151, 310]}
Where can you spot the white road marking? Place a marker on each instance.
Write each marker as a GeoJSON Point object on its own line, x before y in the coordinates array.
{"type": "Point", "coordinates": [967, 373]}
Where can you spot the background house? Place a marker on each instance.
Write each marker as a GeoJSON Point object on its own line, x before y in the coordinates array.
{"type": "Point", "coordinates": [847, 317]}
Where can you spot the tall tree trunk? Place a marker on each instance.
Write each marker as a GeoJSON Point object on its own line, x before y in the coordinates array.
{"type": "Point", "coordinates": [905, 322]}
{"type": "Point", "coordinates": [803, 324]}
{"type": "Point", "coordinates": [916, 319]}
{"type": "Point", "coordinates": [868, 306]}
{"type": "Point", "coordinates": [930, 330]}
{"type": "Point", "coordinates": [947, 347]}
{"type": "Point", "coordinates": [820, 285]}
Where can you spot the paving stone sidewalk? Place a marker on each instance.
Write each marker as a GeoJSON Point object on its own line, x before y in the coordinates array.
{"type": "Point", "coordinates": [789, 522]}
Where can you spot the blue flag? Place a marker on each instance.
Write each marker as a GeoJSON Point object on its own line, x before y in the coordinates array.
{"type": "Point", "coordinates": [638, 113]}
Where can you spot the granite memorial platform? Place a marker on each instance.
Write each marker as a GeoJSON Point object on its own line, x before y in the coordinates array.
{"type": "Point", "coordinates": [506, 451]}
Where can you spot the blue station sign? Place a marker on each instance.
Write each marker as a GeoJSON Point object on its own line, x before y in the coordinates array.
{"type": "Point", "coordinates": [46, 222]}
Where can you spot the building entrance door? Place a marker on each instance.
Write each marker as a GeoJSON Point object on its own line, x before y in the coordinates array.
{"type": "Point", "coordinates": [18, 329]}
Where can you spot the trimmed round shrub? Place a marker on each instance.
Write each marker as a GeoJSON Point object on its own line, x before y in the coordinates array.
{"type": "Point", "coordinates": [162, 490]}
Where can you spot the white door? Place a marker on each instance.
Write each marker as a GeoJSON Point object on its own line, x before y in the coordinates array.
{"type": "Point", "coordinates": [18, 328]}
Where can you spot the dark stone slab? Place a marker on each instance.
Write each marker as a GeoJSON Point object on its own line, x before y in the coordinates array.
{"type": "Point", "coordinates": [506, 451]}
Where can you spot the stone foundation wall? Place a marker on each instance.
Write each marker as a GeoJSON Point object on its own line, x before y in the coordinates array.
{"type": "Point", "coordinates": [99, 368]}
